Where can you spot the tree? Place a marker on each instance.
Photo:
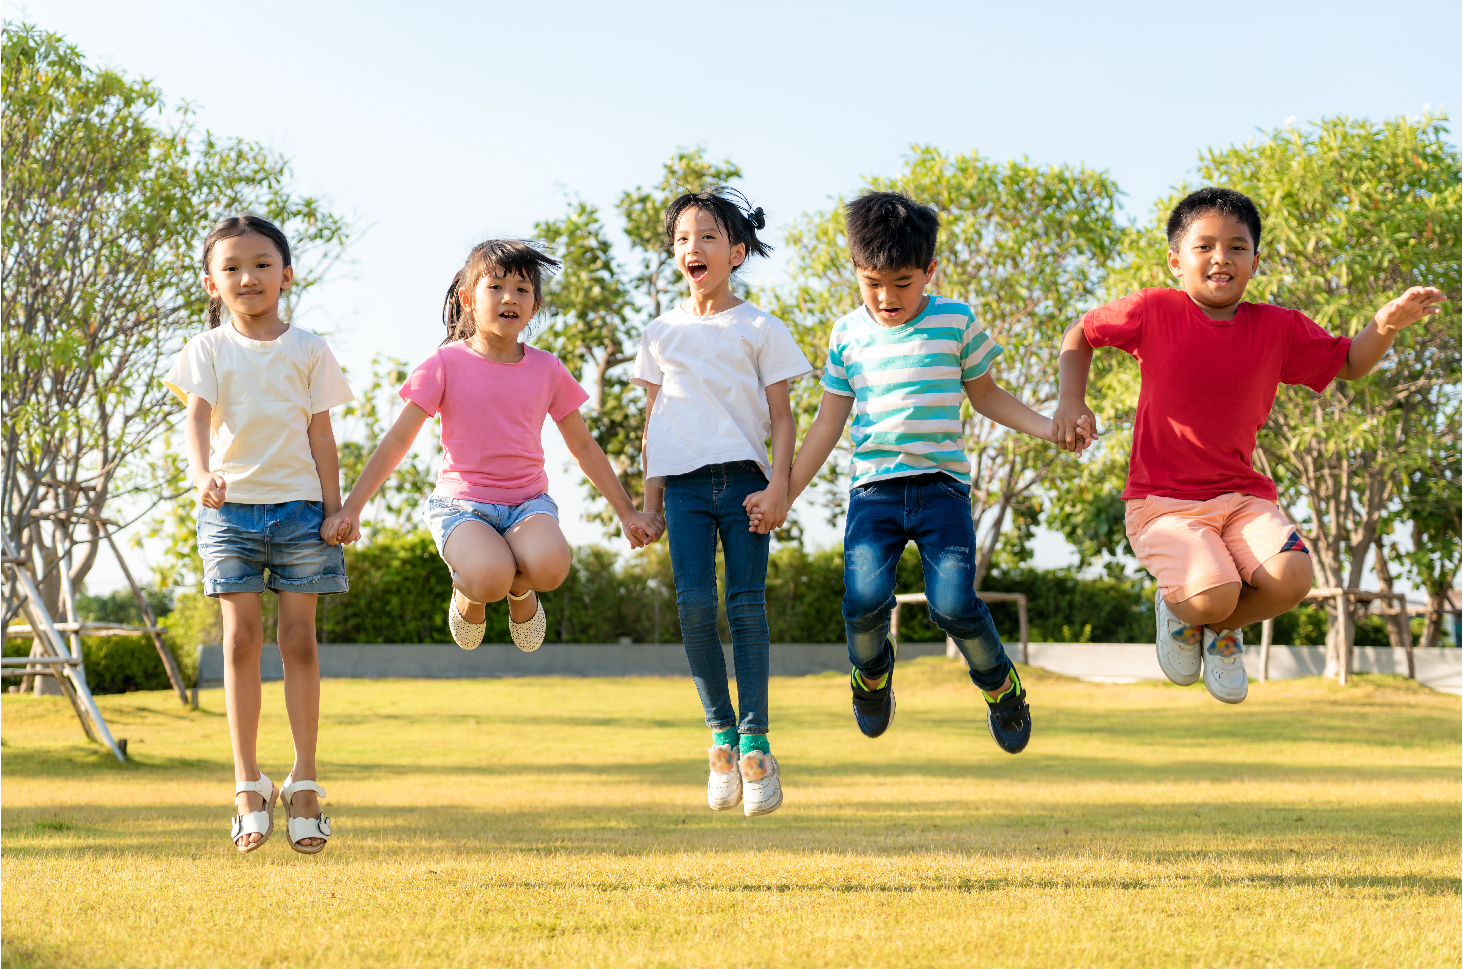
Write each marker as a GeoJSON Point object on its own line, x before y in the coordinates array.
{"type": "Point", "coordinates": [597, 308]}
{"type": "Point", "coordinates": [1355, 212]}
{"type": "Point", "coordinates": [104, 209]}
{"type": "Point", "coordinates": [1026, 246]}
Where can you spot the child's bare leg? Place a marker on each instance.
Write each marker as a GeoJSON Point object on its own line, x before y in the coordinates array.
{"type": "Point", "coordinates": [484, 565]}
{"type": "Point", "coordinates": [301, 694]}
{"type": "Point", "coordinates": [1208, 606]}
{"type": "Point", "coordinates": [543, 557]}
{"type": "Point", "coordinates": [243, 640]}
{"type": "Point", "coordinates": [1278, 586]}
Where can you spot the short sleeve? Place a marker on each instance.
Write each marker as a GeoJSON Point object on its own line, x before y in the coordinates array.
{"type": "Point", "coordinates": [568, 396]}
{"type": "Point", "coordinates": [1315, 356]}
{"type": "Point", "coordinates": [193, 373]}
{"type": "Point", "coordinates": [835, 376]}
{"type": "Point", "coordinates": [328, 387]}
{"type": "Point", "coordinates": [426, 384]}
{"type": "Point", "coordinates": [1118, 324]}
{"type": "Point", "coordinates": [646, 371]}
{"type": "Point", "coordinates": [779, 357]}
{"type": "Point", "coordinates": [977, 351]}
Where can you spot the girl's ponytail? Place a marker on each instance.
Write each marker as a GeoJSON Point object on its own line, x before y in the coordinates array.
{"type": "Point", "coordinates": [459, 322]}
{"type": "Point", "coordinates": [231, 228]}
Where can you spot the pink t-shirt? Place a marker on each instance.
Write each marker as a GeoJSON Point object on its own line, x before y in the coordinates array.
{"type": "Point", "coordinates": [493, 419]}
{"type": "Point", "coordinates": [1208, 386]}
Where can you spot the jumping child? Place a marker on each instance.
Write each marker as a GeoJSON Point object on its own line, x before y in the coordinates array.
{"type": "Point", "coordinates": [716, 370]}
{"type": "Point", "coordinates": [902, 363]}
{"type": "Point", "coordinates": [491, 516]}
{"type": "Point", "coordinates": [1200, 518]}
{"type": "Point", "coordinates": [261, 453]}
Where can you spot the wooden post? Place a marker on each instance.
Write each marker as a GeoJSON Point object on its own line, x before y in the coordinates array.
{"type": "Point", "coordinates": [175, 675]}
{"type": "Point", "coordinates": [1025, 630]}
{"type": "Point", "coordinates": [1267, 633]}
{"type": "Point", "coordinates": [1404, 623]}
{"type": "Point", "coordinates": [1343, 640]}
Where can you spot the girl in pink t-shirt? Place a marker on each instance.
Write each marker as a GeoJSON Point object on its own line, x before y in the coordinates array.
{"type": "Point", "coordinates": [490, 515]}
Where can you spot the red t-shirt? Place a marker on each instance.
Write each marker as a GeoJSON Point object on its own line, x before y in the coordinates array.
{"type": "Point", "coordinates": [1208, 386]}
{"type": "Point", "coordinates": [493, 419]}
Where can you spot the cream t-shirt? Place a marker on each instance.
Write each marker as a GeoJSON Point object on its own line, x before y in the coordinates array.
{"type": "Point", "coordinates": [713, 373]}
{"type": "Point", "coordinates": [263, 394]}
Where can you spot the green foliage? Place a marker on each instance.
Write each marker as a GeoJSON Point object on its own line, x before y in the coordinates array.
{"type": "Point", "coordinates": [1026, 246]}
{"type": "Point", "coordinates": [120, 606]}
{"type": "Point", "coordinates": [362, 424]}
{"type": "Point", "coordinates": [596, 309]}
{"type": "Point", "coordinates": [105, 204]}
{"type": "Point", "coordinates": [399, 590]}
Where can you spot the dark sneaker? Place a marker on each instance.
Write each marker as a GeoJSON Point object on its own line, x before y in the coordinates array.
{"type": "Point", "coordinates": [1010, 718]}
{"type": "Point", "coordinates": [873, 710]}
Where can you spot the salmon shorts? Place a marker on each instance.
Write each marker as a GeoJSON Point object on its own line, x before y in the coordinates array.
{"type": "Point", "coordinates": [1190, 546]}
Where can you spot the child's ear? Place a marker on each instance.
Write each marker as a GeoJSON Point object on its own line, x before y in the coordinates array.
{"type": "Point", "coordinates": [209, 285]}
{"type": "Point", "coordinates": [287, 277]}
{"type": "Point", "coordinates": [738, 254]}
{"type": "Point", "coordinates": [934, 264]}
{"type": "Point", "coordinates": [1173, 263]}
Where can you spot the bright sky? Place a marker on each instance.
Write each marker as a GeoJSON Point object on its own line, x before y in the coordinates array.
{"type": "Point", "coordinates": [438, 124]}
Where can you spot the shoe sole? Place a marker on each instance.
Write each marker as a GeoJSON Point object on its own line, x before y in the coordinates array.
{"type": "Point", "coordinates": [765, 810]}
{"type": "Point", "coordinates": [1223, 699]}
{"type": "Point", "coordinates": [725, 807]}
{"type": "Point", "coordinates": [1180, 680]}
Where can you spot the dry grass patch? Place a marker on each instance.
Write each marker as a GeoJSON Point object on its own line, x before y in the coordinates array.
{"type": "Point", "coordinates": [563, 821]}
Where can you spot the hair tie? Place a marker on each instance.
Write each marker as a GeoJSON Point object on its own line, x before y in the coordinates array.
{"type": "Point", "coordinates": [757, 218]}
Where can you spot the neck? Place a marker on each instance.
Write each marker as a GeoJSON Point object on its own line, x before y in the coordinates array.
{"type": "Point", "coordinates": [496, 347]}
{"type": "Point", "coordinates": [711, 302]}
{"type": "Point", "coordinates": [266, 326]}
{"type": "Point", "coordinates": [1219, 313]}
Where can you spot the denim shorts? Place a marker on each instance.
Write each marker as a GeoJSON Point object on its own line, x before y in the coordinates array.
{"type": "Point", "coordinates": [443, 514]}
{"type": "Point", "coordinates": [238, 542]}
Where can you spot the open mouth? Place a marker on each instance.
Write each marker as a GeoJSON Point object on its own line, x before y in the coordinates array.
{"type": "Point", "coordinates": [890, 311]}
{"type": "Point", "coordinates": [508, 315]}
{"type": "Point", "coordinates": [1221, 279]}
{"type": "Point", "coordinates": [696, 270]}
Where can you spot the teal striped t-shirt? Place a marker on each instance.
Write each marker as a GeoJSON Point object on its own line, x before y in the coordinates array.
{"type": "Point", "coordinates": [907, 383]}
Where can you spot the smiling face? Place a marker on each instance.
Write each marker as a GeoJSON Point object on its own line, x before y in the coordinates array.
{"type": "Point", "coordinates": [247, 273]}
{"type": "Point", "coordinates": [704, 254]}
{"type": "Point", "coordinates": [895, 296]}
{"type": "Point", "coordinates": [1215, 260]}
{"type": "Point", "coordinates": [501, 305]}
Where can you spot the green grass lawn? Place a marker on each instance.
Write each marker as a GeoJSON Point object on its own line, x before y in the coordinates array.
{"type": "Point", "coordinates": [564, 822]}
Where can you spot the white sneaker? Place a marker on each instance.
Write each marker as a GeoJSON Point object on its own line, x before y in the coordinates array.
{"type": "Point", "coordinates": [724, 784]}
{"type": "Point", "coordinates": [761, 785]}
{"type": "Point", "coordinates": [1179, 646]}
{"type": "Point", "coordinates": [1224, 666]}
{"type": "Point", "coordinates": [468, 635]}
{"type": "Point", "coordinates": [529, 636]}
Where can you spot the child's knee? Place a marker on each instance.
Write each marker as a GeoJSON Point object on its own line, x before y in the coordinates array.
{"type": "Point", "coordinates": [1211, 605]}
{"type": "Point", "coordinates": [484, 586]}
{"type": "Point", "coordinates": [1290, 577]}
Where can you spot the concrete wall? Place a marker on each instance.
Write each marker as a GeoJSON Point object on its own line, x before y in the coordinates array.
{"type": "Point", "coordinates": [1441, 669]}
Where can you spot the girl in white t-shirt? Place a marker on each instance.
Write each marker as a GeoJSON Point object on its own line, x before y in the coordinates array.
{"type": "Point", "coordinates": [261, 453]}
{"type": "Point", "coordinates": [491, 516]}
{"type": "Point", "coordinates": [716, 370]}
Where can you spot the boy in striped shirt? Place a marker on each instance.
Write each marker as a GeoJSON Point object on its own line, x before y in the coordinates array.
{"type": "Point", "coordinates": [901, 363]}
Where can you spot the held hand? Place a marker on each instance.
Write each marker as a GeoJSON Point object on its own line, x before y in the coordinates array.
{"type": "Point", "coordinates": [211, 490]}
{"type": "Point", "coordinates": [340, 528]}
{"type": "Point", "coordinates": [1407, 309]}
{"type": "Point", "coordinates": [642, 529]}
{"type": "Point", "coordinates": [1074, 426]}
{"type": "Point", "coordinates": [766, 510]}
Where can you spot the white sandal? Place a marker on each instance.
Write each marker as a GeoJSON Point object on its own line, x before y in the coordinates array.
{"type": "Point", "coordinates": [297, 829]}
{"type": "Point", "coordinates": [255, 822]}
{"type": "Point", "coordinates": [468, 635]}
{"type": "Point", "coordinates": [528, 636]}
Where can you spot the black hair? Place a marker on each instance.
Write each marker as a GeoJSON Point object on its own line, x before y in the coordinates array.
{"type": "Point", "coordinates": [890, 230]}
{"type": "Point", "coordinates": [1223, 201]}
{"type": "Point", "coordinates": [733, 213]}
{"type": "Point", "coordinates": [504, 257]}
{"type": "Point", "coordinates": [231, 228]}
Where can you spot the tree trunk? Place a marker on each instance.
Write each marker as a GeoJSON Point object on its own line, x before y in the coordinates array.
{"type": "Point", "coordinates": [1433, 629]}
{"type": "Point", "coordinates": [1396, 622]}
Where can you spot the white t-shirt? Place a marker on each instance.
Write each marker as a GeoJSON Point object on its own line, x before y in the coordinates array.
{"type": "Point", "coordinates": [263, 394]}
{"type": "Point", "coordinates": [713, 373]}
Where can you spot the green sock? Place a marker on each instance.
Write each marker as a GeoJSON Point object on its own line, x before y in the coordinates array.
{"type": "Point", "coordinates": [1015, 687]}
{"type": "Point", "coordinates": [867, 684]}
{"type": "Point", "coordinates": [721, 738]}
{"type": "Point", "coordinates": [755, 741]}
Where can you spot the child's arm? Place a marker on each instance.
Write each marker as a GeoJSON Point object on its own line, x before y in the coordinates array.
{"type": "Point", "coordinates": [819, 442]}
{"type": "Point", "coordinates": [327, 461]}
{"type": "Point", "coordinates": [654, 494]}
{"type": "Point", "coordinates": [210, 484]}
{"type": "Point", "coordinates": [641, 528]}
{"type": "Point", "coordinates": [345, 525]}
{"type": "Point", "coordinates": [767, 508]}
{"type": "Point", "coordinates": [1371, 344]}
{"type": "Point", "coordinates": [1073, 366]}
{"type": "Point", "coordinates": [1003, 407]}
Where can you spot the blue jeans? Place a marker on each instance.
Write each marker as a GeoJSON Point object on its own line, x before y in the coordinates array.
{"type": "Point", "coordinates": [933, 511]}
{"type": "Point", "coordinates": [699, 506]}
{"type": "Point", "coordinates": [238, 542]}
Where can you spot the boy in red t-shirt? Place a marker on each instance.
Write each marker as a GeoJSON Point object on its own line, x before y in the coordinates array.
{"type": "Point", "coordinates": [1199, 516]}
